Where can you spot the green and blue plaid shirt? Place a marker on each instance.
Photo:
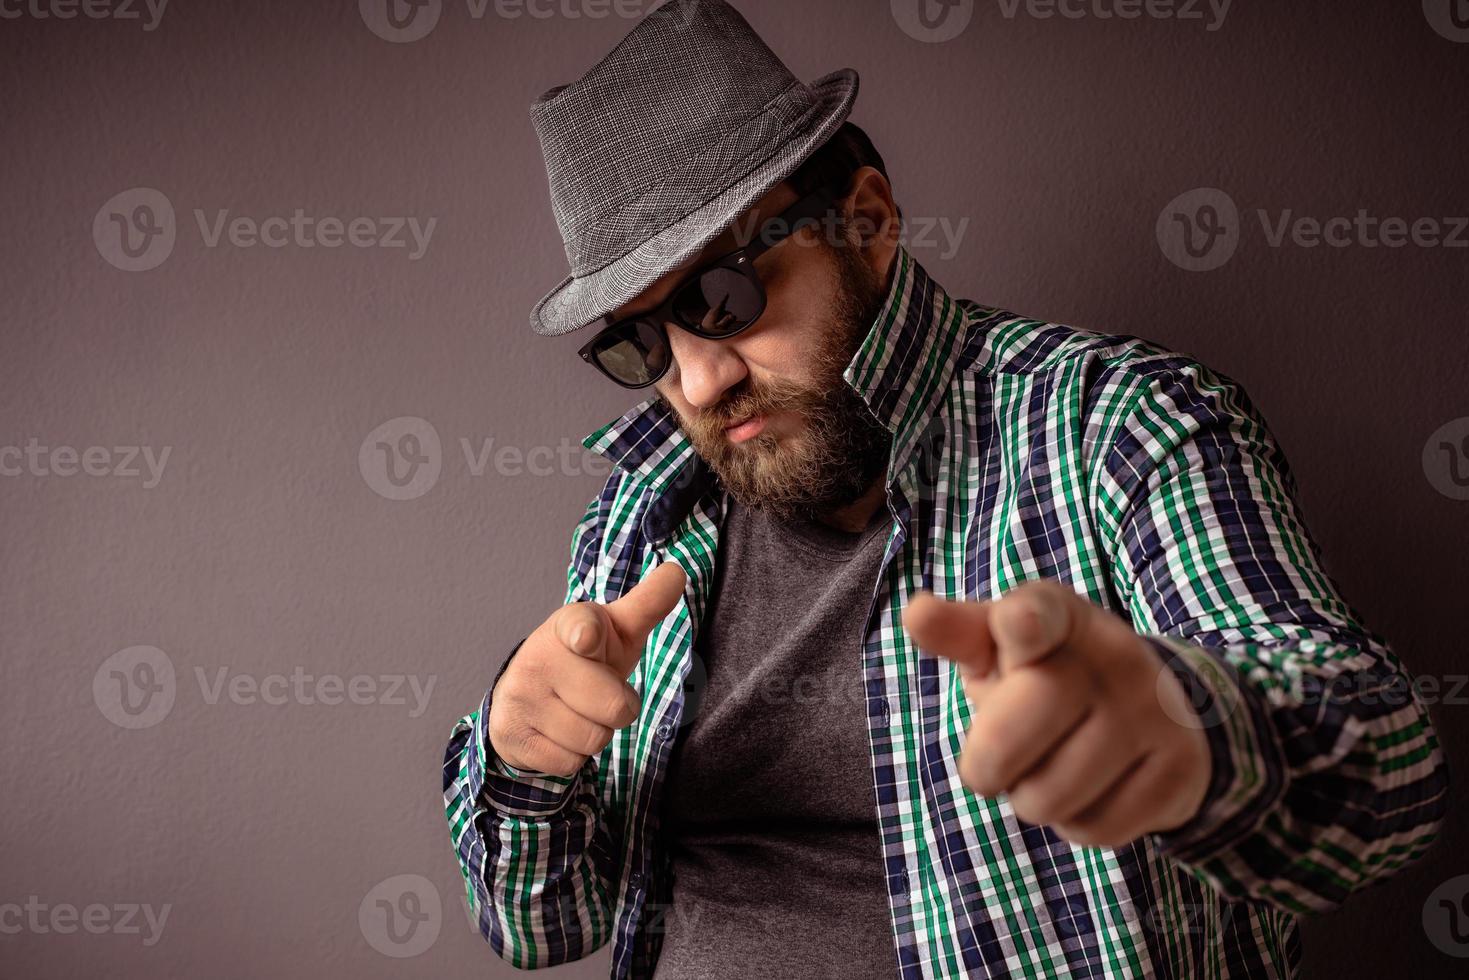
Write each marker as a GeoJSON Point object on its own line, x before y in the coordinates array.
{"type": "Point", "coordinates": [1146, 482]}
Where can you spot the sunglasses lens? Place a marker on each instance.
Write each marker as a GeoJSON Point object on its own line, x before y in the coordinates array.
{"type": "Point", "coordinates": [719, 303]}
{"type": "Point", "coordinates": [635, 355]}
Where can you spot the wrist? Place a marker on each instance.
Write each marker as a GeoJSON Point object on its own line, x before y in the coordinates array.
{"type": "Point", "coordinates": [1246, 770]}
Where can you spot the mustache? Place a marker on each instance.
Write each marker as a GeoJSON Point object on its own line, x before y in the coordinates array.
{"type": "Point", "coordinates": [768, 397]}
{"type": "Point", "coordinates": [749, 402]}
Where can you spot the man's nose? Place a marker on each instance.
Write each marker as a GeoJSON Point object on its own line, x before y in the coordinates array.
{"type": "Point", "coordinates": [706, 368]}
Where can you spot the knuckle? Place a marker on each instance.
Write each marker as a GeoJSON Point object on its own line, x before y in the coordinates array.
{"type": "Point", "coordinates": [1029, 802]}
{"type": "Point", "coordinates": [527, 742]}
{"type": "Point", "coordinates": [1118, 734]}
{"type": "Point", "coordinates": [596, 739]}
{"type": "Point", "coordinates": [1077, 833]}
{"type": "Point", "coordinates": [980, 773]}
{"type": "Point", "coordinates": [615, 710]}
{"type": "Point", "coordinates": [991, 777]}
{"type": "Point", "coordinates": [511, 745]}
{"type": "Point", "coordinates": [545, 756]}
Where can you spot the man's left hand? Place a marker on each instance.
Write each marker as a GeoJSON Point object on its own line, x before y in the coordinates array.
{"type": "Point", "coordinates": [1076, 716]}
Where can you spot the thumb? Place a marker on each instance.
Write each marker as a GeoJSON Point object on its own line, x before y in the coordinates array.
{"type": "Point", "coordinates": [1032, 621]}
{"type": "Point", "coordinates": [957, 631]}
{"type": "Point", "coordinates": [635, 614]}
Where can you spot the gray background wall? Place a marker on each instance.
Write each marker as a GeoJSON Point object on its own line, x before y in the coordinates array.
{"type": "Point", "coordinates": [263, 550]}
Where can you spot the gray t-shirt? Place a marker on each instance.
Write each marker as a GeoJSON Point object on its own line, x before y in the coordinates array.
{"type": "Point", "coordinates": [770, 815]}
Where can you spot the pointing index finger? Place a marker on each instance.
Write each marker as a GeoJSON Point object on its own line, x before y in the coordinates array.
{"type": "Point", "coordinates": [643, 607]}
{"type": "Point", "coordinates": [955, 630]}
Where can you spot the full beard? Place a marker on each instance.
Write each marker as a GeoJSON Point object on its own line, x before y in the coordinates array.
{"type": "Point", "coordinates": [841, 448]}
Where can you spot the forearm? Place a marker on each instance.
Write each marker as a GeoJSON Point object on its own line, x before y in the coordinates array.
{"type": "Point", "coordinates": [528, 846]}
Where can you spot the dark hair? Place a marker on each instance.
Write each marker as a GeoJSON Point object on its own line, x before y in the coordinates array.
{"type": "Point", "coordinates": [848, 150]}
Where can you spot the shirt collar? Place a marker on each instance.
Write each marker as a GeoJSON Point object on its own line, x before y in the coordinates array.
{"type": "Point", "coordinates": [901, 370]}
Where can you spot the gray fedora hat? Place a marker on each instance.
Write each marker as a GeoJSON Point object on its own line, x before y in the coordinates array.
{"type": "Point", "coordinates": [667, 140]}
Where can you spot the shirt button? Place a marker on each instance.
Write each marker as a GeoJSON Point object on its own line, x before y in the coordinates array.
{"type": "Point", "coordinates": [886, 711]}
{"type": "Point", "coordinates": [662, 731]}
{"type": "Point", "coordinates": [635, 879]}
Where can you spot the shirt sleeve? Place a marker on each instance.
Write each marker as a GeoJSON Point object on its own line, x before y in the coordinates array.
{"type": "Point", "coordinates": [533, 847]}
{"type": "Point", "coordinates": [1327, 773]}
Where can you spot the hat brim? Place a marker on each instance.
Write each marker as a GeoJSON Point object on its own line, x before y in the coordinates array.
{"type": "Point", "coordinates": [577, 302]}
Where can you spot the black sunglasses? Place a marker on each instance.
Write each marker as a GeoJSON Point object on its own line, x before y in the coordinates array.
{"type": "Point", "coordinates": [718, 301]}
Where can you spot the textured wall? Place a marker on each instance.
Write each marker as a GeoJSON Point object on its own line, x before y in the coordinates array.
{"type": "Point", "coordinates": [322, 636]}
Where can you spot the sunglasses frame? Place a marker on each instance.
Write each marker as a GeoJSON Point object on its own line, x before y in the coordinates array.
{"type": "Point", "coordinates": [772, 232]}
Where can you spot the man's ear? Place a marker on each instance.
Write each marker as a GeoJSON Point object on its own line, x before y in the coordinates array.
{"type": "Point", "coordinates": [873, 216]}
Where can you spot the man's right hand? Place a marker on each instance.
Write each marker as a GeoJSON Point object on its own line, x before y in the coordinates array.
{"type": "Point", "coordinates": [566, 688]}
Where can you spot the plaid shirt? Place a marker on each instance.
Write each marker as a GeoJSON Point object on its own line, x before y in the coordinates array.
{"type": "Point", "coordinates": [1144, 481]}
